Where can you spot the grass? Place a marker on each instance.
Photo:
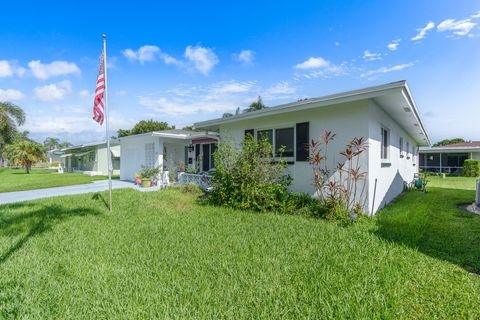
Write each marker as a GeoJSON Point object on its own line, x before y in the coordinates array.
{"type": "Point", "coordinates": [465, 183]}
{"type": "Point", "coordinates": [164, 255]}
{"type": "Point", "coordinates": [17, 179]}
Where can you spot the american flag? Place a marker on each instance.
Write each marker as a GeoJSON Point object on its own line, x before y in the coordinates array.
{"type": "Point", "coordinates": [98, 103]}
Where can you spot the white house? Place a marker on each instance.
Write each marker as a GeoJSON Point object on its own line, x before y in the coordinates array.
{"type": "Point", "coordinates": [385, 115]}
{"type": "Point", "coordinates": [54, 155]}
{"type": "Point", "coordinates": [449, 158]}
{"type": "Point", "coordinates": [91, 158]}
{"type": "Point", "coordinates": [168, 150]}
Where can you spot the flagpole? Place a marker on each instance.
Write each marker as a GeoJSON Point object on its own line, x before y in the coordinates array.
{"type": "Point", "coordinates": [109, 154]}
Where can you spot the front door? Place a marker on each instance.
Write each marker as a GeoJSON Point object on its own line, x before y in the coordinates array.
{"type": "Point", "coordinates": [206, 157]}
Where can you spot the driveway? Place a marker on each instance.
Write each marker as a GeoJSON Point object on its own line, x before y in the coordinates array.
{"type": "Point", "coordinates": [96, 186]}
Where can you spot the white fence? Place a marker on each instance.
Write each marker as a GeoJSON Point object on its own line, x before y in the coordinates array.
{"type": "Point", "coordinates": [202, 180]}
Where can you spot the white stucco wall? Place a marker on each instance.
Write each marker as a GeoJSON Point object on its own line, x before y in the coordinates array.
{"type": "Point", "coordinates": [346, 121]}
{"type": "Point", "coordinates": [101, 159]}
{"type": "Point", "coordinates": [476, 155]}
{"type": "Point", "coordinates": [133, 154]}
{"type": "Point", "coordinates": [390, 174]}
{"type": "Point", "coordinates": [355, 119]}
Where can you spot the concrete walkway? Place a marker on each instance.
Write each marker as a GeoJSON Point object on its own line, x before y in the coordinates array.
{"type": "Point", "coordinates": [96, 186]}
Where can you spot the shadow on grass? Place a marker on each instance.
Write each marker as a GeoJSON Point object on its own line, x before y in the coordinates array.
{"type": "Point", "coordinates": [434, 225]}
{"type": "Point", "coordinates": [34, 222]}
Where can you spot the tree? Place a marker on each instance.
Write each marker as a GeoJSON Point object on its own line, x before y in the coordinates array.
{"type": "Point", "coordinates": [227, 115]}
{"type": "Point", "coordinates": [51, 143]}
{"type": "Point", "coordinates": [64, 144]}
{"type": "Point", "coordinates": [256, 105]}
{"type": "Point", "coordinates": [25, 153]}
{"type": "Point", "coordinates": [446, 142]}
{"type": "Point", "coordinates": [145, 126]}
{"type": "Point", "coordinates": [11, 116]}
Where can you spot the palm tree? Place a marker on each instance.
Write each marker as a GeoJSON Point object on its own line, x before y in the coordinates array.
{"type": "Point", "coordinates": [25, 153]}
{"type": "Point", "coordinates": [11, 116]}
{"type": "Point", "coordinates": [51, 143]}
{"type": "Point", "coordinates": [256, 105]}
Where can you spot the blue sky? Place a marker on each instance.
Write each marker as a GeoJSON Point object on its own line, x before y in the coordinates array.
{"type": "Point", "coordinates": [183, 63]}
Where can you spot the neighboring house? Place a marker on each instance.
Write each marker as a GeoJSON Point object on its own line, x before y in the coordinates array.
{"type": "Point", "coordinates": [167, 149]}
{"type": "Point", "coordinates": [385, 115]}
{"type": "Point", "coordinates": [91, 158]}
{"type": "Point", "coordinates": [54, 155]}
{"type": "Point", "coordinates": [449, 158]}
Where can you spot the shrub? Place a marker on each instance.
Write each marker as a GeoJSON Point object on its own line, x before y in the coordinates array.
{"type": "Point", "coordinates": [249, 177]}
{"type": "Point", "coordinates": [149, 173]}
{"type": "Point", "coordinates": [471, 168]}
{"type": "Point", "coordinates": [56, 164]}
{"type": "Point", "coordinates": [342, 189]}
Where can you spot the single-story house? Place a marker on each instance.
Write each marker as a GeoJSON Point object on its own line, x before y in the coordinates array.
{"type": "Point", "coordinates": [91, 158]}
{"type": "Point", "coordinates": [169, 150]}
{"type": "Point", "coordinates": [385, 115]}
{"type": "Point", "coordinates": [449, 158]}
{"type": "Point", "coordinates": [54, 155]}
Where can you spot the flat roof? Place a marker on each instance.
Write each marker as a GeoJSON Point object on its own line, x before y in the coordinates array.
{"type": "Point", "coordinates": [394, 98]}
{"type": "Point", "coordinates": [175, 134]}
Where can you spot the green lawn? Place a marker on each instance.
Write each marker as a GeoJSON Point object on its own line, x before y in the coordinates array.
{"type": "Point", "coordinates": [164, 255]}
{"type": "Point", "coordinates": [466, 183]}
{"type": "Point", "coordinates": [17, 179]}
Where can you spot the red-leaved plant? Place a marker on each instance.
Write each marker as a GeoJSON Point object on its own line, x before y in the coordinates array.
{"type": "Point", "coordinates": [338, 189]}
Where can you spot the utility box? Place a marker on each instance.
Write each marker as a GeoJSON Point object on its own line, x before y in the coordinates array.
{"type": "Point", "coordinates": [477, 198]}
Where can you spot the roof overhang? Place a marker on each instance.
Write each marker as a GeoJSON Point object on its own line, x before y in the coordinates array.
{"type": "Point", "coordinates": [394, 98]}
{"type": "Point", "coordinates": [175, 136]}
{"type": "Point", "coordinates": [449, 150]}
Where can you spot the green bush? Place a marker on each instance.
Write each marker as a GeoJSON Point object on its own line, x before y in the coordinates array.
{"type": "Point", "coordinates": [471, 168]}
{"type": "Point", "coordinates": [249, 177]}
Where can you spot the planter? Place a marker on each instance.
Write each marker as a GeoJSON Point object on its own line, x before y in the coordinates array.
{"type": "Point", "coordinates": [138, 181]}
{"type": "Point", "coordinates": [146, 183]}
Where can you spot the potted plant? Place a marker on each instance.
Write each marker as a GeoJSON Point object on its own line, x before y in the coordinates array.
{"type": "Point", "coordinates": [138, 179]}
{"type": "Point", "coordinates": [147, 174]}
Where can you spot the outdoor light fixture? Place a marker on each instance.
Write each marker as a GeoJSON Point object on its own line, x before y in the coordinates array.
{"type": "Point", "coordinates": [407, 109]}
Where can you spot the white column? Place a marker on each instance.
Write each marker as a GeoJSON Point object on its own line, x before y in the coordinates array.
{"type": "Point", "coordinates": [440, 162]}
{"type": "Point", "coordinates": [159, 147]}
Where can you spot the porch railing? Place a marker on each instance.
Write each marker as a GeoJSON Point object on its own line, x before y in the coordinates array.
{"type": "Point", "coordinates": [201, 180]}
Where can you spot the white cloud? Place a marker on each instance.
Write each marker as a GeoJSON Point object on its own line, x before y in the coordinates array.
{"type": "Point", "coordinates": [422, 32]}
{"type": "Point", "coordinates": [54, 91]}
{"type": "Point", "coordinates": [313, 63]}
{"type": "Point", "coordinates": [56, 68]}
{"type": "Point", "coordinates": [11, 95]}
{"type": "Point", "coordinates": [397, 67]}
{"type": "Point", "coordinates": [457, 27]}
{"type": "Point", "coordinates": [149, 53]}
{"type": "Point", "coordinates": [229, 87]}
{"type": "Point", "coordinates": [281, 90]}
{"type": "Point", "coordinates": [122, 93]}
{"type": "Point", "coordinates": [203, 59]}
{"type": "Point", "coordinates": [245, 56]}
{"type": "Point", "coordinates": [337, 44]}
{"type": "Point", "coordinates": [9, 68]}
{"type": "Point", "coordinates": [84, 93]}
{"type": "Point", "coordinates": [370, 56]}
{"type": "Point", "coordinates": [5, 69]}
{"type": "Point", "coordinates": [475, 15]}
{"type": "Point", "coordinates": [392, 46]}
{"type": "Point", "coordinates": [143, 54]}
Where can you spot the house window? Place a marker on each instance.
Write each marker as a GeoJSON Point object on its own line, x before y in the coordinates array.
{"type": "Point", "coordinates": [284, 138]}
{"type": "Point", "coordinates": [150, 155]}
{"type": "Point", "coordinates": [385, 143]}
{"type": "Point", "coordinates": [265, 134]}
{"type": "Point", "coordinates": [401, 147]}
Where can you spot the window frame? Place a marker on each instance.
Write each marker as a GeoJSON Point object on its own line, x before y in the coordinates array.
{"type": "Point", "coordinates": [385, 144]}
{"type": "Point", "coordinates": [273, 130]}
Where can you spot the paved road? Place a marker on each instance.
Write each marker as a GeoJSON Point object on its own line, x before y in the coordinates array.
{"type": "Point", "coordinates": [96, 186]}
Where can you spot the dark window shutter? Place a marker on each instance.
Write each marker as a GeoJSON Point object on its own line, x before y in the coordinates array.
{"type": "Point", "coordinates": [197, 153]}
{"type": "Point", "coordinates": [249, 132]}
{"type": "Point", "coordinates": [302, 143]}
